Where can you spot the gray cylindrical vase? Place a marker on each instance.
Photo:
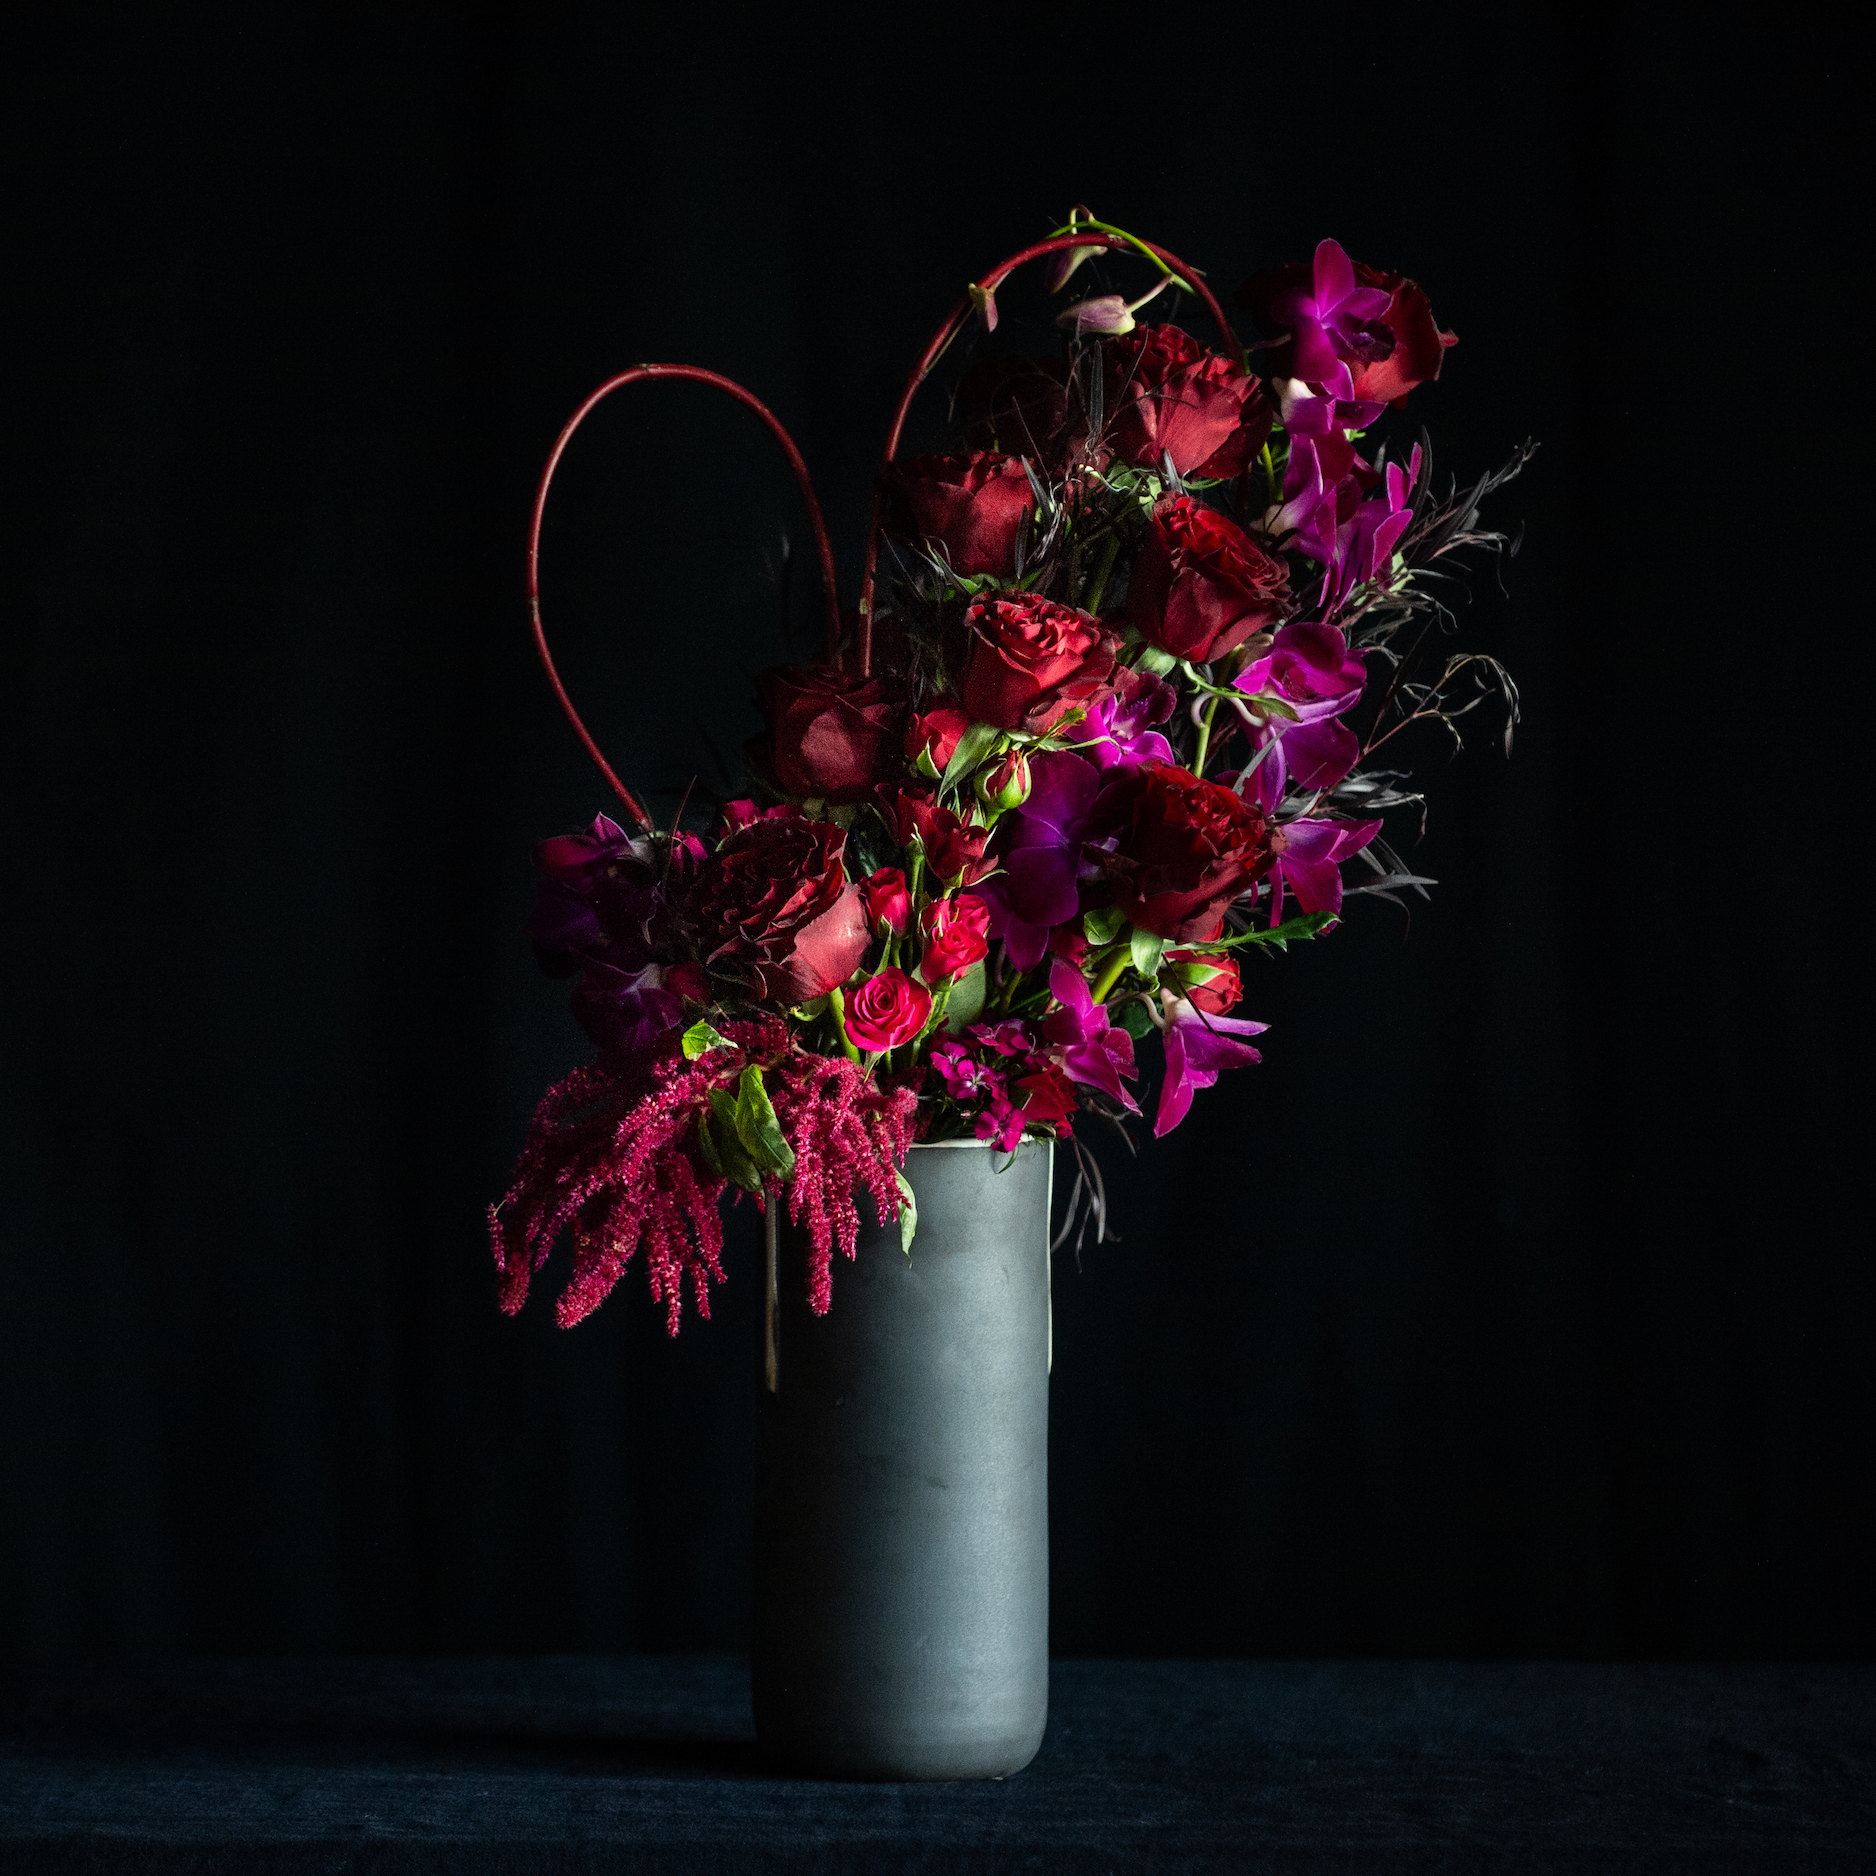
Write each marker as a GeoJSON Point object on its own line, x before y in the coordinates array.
{"type": "Point", "coordinates": [902, 1501]}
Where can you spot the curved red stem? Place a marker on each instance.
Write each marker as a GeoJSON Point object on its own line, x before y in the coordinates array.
{"type": "Point", "coordinates": [943, 337]}
{"type": "Point", "coordinates": [823, 547]}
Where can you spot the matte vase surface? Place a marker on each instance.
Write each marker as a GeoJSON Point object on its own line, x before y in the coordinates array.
{"type": "Point", "coordinates": [902, 1488]}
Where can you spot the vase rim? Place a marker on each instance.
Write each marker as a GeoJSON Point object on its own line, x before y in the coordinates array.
{"type": "Point", "coordinates": [919, 1146]}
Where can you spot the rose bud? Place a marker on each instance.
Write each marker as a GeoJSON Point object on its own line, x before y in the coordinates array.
{"type": "Point", "coordinates": [953, 852]}
{"type": "Point", "coordinates": [964, 509]}
{"type": "Point", "coordinates": [934, 737]}
{"type": "Point", "coordinates": [1211, 983]}
{"type": "Point", "coordinates": [956, 937]}
{"type": "Point", "coordinates": [689, 982]}
{"type": "Point", "coordinates": [887, 1010]}
{"type": "Point", "coordinates": [1031, 662]}
{"type": "Point", "coordinates": [1167, 395]}
{"type": "Point", "coordinates": [832, 734]}
{"type": "Point", "coordinates": [888, 904]}
{"type": "Point", "coordinates": [1007, 784]}
{"type": "Point", "coordinates": [1201, 586]}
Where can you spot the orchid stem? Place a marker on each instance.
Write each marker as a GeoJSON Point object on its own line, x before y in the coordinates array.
{"type": "Point", "coordinates": [1205, 738]}
{"type": "Point", "coordinates": [1110, 975]}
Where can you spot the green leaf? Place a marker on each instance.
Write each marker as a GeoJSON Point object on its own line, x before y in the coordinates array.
{"type": "Point", "coordinates": [810, 1012]}
{"type": "Point", "coordinates": [1307, 926]}
{"type": "Point", "coordinates": [1103, 924]}
{"type": "Point", "coordinates": [725, 1149]}
{"type": "Point", "coordinates": [1157, 661]}
{"type": "Point", "coordinates": [926, 766]}
{"type": "Point", "coordinates": [708, 1146]}
{"type": "Point", "coordinates": [967, 998]}
{"type": "Point", "coordinates": [757, 1127]}
{"type": "Point", "coordinates": [908, 1213]}
{"type": "Point", "coordinates": [1132, 1017]}
{"type": "Point", "coordinates": [1148, 948]}
{"type": "Point", "coordinates": [976, 743]}
{"type": "Point", "coordinates": [700, 1039]}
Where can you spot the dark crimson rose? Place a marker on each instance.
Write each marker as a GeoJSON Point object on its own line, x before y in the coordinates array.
{"type": "Point", "coordinates": [888, 904]}
{"type": "Point", "coordinates": [772, 906]}
{"type": "Point", "coordinates": [956, 936]}
{"type": "Point", "coordinates": [1211, 983]}
{"type": "Point", "coordinates": [1187, 848]}
{"type": "Point", "coordinates": [1386, 357]}
{"type": "Point", "coordinates": [953, 851]}
{"type": "Point", "coordinates": [937, 731]}
{"type": "Point", "coordinates": [1201, 586]}
{"type": "Point", "coordinates": [886, 1010]}
{"type": "Point", "coordinates": [832, 734]}
{"type": "Point", "coordinates": [966, 509]}
{"type": "Point", "coordinates": [1166, 392]}
{"type": "Point", "coordinates": [1031, 662]}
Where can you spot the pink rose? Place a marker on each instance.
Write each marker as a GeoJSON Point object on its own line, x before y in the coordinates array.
{"type": "Point", "coordinates": [887, 1010]}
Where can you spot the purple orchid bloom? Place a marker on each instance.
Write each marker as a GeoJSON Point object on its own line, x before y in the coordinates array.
{"type": "Point", "coordinates": [1120, 727]}
{"type": "Point", "coordinates": [1095, 1051]}
{"type": "Point", "coordinates": [1310, 864]}
{"type": "Point", "coordinates": [1039, 846]}
{"type": "Point", "coordinates": [1310, 669]}
{"type": "Point", "coordinates": [1198, 1049]}
{"type": "Point", "coordinates": [1365, 542]}
{"type": "Point", "coordinates": [1336, 319]}
{"type": "Point", "coordinates": [626, 1012]}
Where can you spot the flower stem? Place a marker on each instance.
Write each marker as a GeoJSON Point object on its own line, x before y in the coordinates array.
{"type": "Point", "coordinates": [1117, 962]}
{"type": "Point", "coordinates": [1205, 738]}
{"type": "Point", "coordinates": [1091, 599]}
{"type": "Point", "coordinates": [838, 1005]}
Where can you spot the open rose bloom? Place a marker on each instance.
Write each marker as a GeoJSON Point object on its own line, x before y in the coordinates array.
{"type": "Point", "coordinates": [1121, 713]}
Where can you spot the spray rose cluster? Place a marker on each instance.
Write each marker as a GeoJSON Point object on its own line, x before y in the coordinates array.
{"type": "Point", "coordinates": [1132, 643]}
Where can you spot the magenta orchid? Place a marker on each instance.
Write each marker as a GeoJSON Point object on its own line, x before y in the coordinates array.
{"type": "Point", "coordinates": [1198, 1049]}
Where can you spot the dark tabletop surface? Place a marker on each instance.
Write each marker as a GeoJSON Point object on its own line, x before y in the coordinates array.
{"type": "Point", "coordinates": [649, 1763]}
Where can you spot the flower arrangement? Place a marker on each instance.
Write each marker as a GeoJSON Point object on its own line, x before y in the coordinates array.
{"type": "Point", "coordinates": [1100, 728]}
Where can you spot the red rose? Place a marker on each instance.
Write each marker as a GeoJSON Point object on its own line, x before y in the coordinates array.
{"type": "Point", "coordinates": [1187, 848]}
{"type": "Point", "coordinates": [966, 509]}
{"type": "Point", "coordinates": [1211, 983]}
{"type": "Point", "coordinates": [952, 851]}
{"type": "Point", "coordinates": [886, 1010]}
{"type": "Point", "coordinates": [1400, 349]}
{"type": "Point", "coordinates": [772, 906]}
{"type": "Point", "coordinates": [956, 936]}
{"type": "Point", "coordinates": [1048, 1096]}
{"type": "Point", "coordinates": [888, 904]}
{"type": "Point", "coordinates": [832, 734]}
{"type": "Point", "coordinates": [1201, 586]}
{"type": "Point", "coordinates": [1166, 392]}
{"type": "Point", "coordinates": [937, 733]}
{"type": "Point", "coordinates": [1031, 662]}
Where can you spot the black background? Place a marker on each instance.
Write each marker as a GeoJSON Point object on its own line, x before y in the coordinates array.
{"type": "Point", "coordinates": [1519, 1303]}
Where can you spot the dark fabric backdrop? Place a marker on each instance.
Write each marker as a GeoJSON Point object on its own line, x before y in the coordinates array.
{"type": "Point", "coordinates": [1518, 1304]}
